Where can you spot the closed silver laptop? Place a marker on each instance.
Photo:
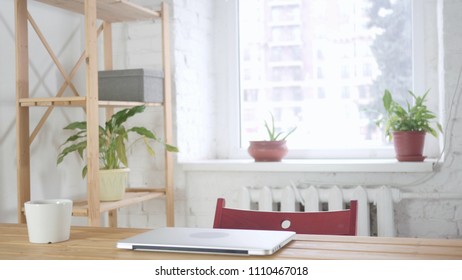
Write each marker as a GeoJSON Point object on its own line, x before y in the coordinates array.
{"type": "Point", "coordinates": [209, 241]}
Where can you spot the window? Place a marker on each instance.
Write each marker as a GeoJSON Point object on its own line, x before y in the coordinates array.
{"type": "Point", "coordinates": [326, 64]}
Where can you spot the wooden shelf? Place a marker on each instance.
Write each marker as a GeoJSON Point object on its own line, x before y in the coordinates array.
{"type": "Point", "coordinates": [108, 10]}
{"type": "Point", "coordinates": [79, 101]}
{"type": "Point", "coordinates": [53, 101]}
{"type": "Point", "coordinates": [130, 198]}
{"type": "Point", "coordinates": [103, 103]}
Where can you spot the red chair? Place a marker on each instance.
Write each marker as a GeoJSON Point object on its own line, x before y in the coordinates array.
{"type": "Point", "coordinates": [341, 222]}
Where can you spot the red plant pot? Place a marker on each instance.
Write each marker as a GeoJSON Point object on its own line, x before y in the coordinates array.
{"type": "Point", "coordinates": [267, 150]}
{"type": "Point", "coordinates": [409, 145]}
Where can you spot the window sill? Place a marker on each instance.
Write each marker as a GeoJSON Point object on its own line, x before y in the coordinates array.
{"type": "Point", "coordinates": [311, 165]}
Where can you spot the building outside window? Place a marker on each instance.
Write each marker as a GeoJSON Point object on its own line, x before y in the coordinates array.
{"type": "Point", "coordinates": [325, 65]}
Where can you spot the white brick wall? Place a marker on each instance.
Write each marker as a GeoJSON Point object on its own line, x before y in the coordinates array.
{"type": "Point", "coordinates": [417, 217]}
{"type": "Point", "coordinates": [191, 38]}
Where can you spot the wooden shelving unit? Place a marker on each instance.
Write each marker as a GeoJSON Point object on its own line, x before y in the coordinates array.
{"type": "Point", "coordinates": [107, 12]}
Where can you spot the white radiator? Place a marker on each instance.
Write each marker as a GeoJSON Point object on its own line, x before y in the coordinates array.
{"type": "Point", "coordinates": [313, 198]}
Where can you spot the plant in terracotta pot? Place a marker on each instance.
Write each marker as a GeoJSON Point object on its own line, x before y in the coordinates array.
{"type": "Point", "coordinates": [408, 126]}
{"type": "Point", "coordinates": [113, 174]}
{"type": "Point", "coordinates": [273, 149]}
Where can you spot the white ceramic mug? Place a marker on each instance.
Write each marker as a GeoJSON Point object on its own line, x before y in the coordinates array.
{"type": "Point", "coordinates": [48, 220]}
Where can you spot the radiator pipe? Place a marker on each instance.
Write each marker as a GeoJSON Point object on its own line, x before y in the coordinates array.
{"type": "Point", "coordinates": [411, 195]}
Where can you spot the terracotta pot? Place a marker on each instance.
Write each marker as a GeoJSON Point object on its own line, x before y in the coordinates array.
{"type": "Point", "coordinates": [267, 150]}
{"type": "Point", "coordinates": [409, 145]}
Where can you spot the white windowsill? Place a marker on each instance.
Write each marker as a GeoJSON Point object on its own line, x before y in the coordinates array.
{"type": "Point", "coordinates": [311, 165]}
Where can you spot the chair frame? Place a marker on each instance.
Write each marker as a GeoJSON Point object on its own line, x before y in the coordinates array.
{"type": "Point", "coordinates": [342, 222]}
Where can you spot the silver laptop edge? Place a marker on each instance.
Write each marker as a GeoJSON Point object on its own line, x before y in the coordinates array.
{"type": "Point", "coordinates": [141, 242]}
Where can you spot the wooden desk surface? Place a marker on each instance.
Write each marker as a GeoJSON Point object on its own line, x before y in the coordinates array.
{"type": "Point", "coordinates": [100, 243]}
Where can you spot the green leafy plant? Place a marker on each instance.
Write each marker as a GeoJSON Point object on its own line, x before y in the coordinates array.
{"type": "Point", "coordinates": [415, 117]}
{"type": "Point", "coordinates": [112, 139]}
{"type": "Point", "coordinates": [276, 136]}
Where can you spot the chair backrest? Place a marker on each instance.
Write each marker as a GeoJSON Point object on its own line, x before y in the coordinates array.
{"type": "Point", "coordinates": [342, 222]}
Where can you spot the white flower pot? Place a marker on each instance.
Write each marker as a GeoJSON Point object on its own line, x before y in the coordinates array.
{"type": "Point", "coordinates": [112, 184]}
{"type": "Point", "coordinates": [49, 220]}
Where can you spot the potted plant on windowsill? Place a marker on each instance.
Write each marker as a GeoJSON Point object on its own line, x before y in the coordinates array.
{"type": "Point", "coordinates": [408, 127]}
{"type": "Point", "coordinates": [273, 149]}
{"type": "Point", "coordinates": [113, 174]}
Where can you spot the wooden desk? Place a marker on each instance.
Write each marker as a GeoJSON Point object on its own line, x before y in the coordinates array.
{"type": "Point", "coordinates": [100, 243]}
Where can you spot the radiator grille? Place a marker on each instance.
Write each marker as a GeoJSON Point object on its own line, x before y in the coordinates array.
{"type": "Point", "coordinates": [375, 204]}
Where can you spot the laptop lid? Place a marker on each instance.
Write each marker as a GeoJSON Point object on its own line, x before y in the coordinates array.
{"type": "Point", "coordinates": [209, 241]}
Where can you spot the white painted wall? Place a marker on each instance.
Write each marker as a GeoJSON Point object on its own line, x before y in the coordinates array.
{"type": "Point", "coordinates": [200, 104]}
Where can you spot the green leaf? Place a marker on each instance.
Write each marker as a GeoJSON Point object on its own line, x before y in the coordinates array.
{"type": "Point", "coordinates": [148, 147]}
{"type": "Point", "coordinates": [122, 116]}
{"type": "Point", "coordinates": [270, 131]}
{"type": "Point", "coordinates": [76, 125]}
{"type": "Point", "coordinates": [121, 152]}
{"type": "Point", "coordinates": [387, 100]}
{"type": "Point", "coordinates": [80, 151]}
{"type": "Point", "coordinates": [276, 137]}
{"type": "Point", "coordinates": [144, 132]}
{"type": "Point", "coordinates": [84, 171]}
{"type": "Point", "coordinates": [77, 136]}
{"type": "Point", "coordinates": [290, 132]}
{"type": "Point", "coordinates": [440, 128]}
{"type": "Point", "coordinates": [432, 131]}
{"type": "Point", "coordinates": [73, 148]}
{"type": "Point", "coordinates": [171, 148]}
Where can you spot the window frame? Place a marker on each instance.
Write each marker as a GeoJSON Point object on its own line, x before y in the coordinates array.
{"type": "Point", "coordinates": [229, 142]}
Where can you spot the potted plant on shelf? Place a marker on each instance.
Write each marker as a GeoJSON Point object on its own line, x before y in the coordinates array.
{"type": "Point", "coordinates": [408, 126]}
{"type": "Point", "coordinates": [113, 174]}
{"type": "Point", "coordinates": [273, 149]}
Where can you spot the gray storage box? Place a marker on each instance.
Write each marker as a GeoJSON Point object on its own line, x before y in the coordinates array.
{"type": "Point", "coordinates": [141, 85]}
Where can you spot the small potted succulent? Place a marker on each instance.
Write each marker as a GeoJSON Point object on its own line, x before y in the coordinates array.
{"type": "Point", "coordinates": [408, 126]}
{"type": "Point", "coordinates": [113, 174]}
{"type": "Point", "coordinates": [273, 149]}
